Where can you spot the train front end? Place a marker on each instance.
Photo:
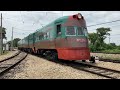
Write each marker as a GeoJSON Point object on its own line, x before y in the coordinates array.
{"type": "Point", "coordinates": [74, 46]}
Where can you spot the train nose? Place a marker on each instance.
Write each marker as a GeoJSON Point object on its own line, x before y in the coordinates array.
{"type": "Point", "coordinates": [74, 54]}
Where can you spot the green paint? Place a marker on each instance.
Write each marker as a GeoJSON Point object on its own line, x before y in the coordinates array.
{"type": "Point", "coordinates": [51, 31]}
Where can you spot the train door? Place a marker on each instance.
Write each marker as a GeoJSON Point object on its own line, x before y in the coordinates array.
{"type": "Point", "coordinates": [33, 39]}
{"type": "Point", "coordinates": [58, 31]}
{"type": "Point", "coordinates": [28, 42]}
{"type": "Point", "coordinates": [58, 35]}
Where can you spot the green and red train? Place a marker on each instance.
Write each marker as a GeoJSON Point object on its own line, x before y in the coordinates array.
{"type": "Point", "coordinates": [65, 38]}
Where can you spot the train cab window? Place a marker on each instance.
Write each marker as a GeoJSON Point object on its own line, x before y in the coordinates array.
{"type": "Point", "coordinates": [80, 31]}
{"type": "Point", "coordinates": [59, 29]}
{"type": "Point", "coordinates": [86, 32]}
{"type": "Point", "coordinates": [70, 30]}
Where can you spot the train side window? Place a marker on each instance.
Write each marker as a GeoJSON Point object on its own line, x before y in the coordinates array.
{"type": "Point", "coordinates": [47, 35]}
{"type": "Point", "coordinates": [44, 35]}
{"type": "Point", "coordinates": [40, 37]}
{"type": "Point", "coordinates": [59, 29]}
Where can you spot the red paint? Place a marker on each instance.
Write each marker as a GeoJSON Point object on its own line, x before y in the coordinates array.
{"type": "Point", "coordinates": [81, 40]}
{"type": "Point", "coordinates": [74, 53]}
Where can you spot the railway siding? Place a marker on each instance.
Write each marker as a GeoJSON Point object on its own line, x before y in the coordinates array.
{"type": "Point", "coordinates": [106, 56]}
{"type": "Point", "coordinates": [9, 54]}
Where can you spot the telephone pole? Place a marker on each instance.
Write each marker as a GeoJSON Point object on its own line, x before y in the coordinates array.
{"type": "Point", "coordinates": [1, 43]}
{"type": "Point", "coordinates": [12, 40]}
{"type": "Point", "coordinates": [109, 39]}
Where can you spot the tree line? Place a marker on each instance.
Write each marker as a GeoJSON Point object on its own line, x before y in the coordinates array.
{"type": "Point", "coordinates": [97, 43]}
{"type": "Point", "coordinates": [15, 41]}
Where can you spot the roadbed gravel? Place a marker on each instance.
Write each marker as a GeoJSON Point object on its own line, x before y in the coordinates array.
{"type": "Point", "coordinates": [38, 68]}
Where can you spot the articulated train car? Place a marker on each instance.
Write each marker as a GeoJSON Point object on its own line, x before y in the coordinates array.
{"type": "Point", "coordinates": [65, 38]}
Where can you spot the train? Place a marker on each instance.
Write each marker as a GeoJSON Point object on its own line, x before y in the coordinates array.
{"type": "Point", "coordinates": [65, 38]}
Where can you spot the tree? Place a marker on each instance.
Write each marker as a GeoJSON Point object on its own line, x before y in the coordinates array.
{"type": "Point", "coordinates": [97, 39]}
{"type": "Point", "coordinates": [102, 33]}
{"type": "Point", "coordinates": [15, 42]}
{"type": "Point", "coordinates": [3, 33]}
{"type": "Point", "coordinates": [92, 38]}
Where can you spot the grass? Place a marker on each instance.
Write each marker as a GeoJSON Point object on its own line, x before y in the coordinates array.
{"type": "Point", "coordinates": [111, 58]}
{"type": "Point", "coordinates": [113, 51]}
{"type": "Point", "coordinates": [4, 53]}
{"type": "Point", "coordinates": [108, 55]}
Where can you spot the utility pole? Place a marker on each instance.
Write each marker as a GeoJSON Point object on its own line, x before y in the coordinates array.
{"type": "Point", "coordinates": [109, 39]}
{"type": "Point", "coordinates": [12, 40]}
{"type": "Point", "coordinates": [1, 43]}
{"type": "Point", "coordinates": [62, 13]}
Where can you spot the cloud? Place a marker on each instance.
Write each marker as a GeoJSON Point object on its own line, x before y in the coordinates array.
{"type": "Point", "coordinates": [26, 22]}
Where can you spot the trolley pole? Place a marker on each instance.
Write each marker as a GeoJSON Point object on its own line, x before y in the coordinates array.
{"type": "Point", "coordinates": [1, 38]}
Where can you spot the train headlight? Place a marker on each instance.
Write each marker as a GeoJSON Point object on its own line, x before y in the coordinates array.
{"type": "Point", "coordinates": [79, 16]}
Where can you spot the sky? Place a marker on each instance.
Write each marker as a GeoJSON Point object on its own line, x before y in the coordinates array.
{"type": "Point", "coordinates": [26, 22]}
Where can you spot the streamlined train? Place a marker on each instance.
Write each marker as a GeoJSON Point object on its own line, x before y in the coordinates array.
{"type": "Point", "coordinates": [65, 38]}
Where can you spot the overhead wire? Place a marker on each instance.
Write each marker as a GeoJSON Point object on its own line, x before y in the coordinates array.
{"type": "Point", "coordinates": [104, 23]}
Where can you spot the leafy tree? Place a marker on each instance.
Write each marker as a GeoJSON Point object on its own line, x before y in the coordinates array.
{"type": "Point", "coordinates": [3, 33]}
{"type": "Point", "coordinates": [102, 33]}
{"type": "Point", "coordinates": [92, 38]}
{"type": "Point", "coordinates": [15, 42]}
{"type": "Point", "coordinates": [97, 39]}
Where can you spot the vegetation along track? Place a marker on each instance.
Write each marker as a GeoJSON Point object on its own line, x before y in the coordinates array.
{"type": "Point", "coordinates": [9, 63]}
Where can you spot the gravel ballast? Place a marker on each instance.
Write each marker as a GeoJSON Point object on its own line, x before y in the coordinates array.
{"type": "Point", "coordinates": [38, 68]}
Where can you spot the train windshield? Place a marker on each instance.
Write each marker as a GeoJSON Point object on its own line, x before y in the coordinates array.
{"type": "Point", "coordinates": [70, 31]}
{"type": "Point", "coordinates": [86, 32]}
{"type": "Point", "coordinates": [76, 31]}
{"type": "Point", "coordinates": [82, 31]}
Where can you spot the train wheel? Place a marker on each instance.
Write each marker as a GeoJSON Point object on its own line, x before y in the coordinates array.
{"type": "Point", "coordinates": [92, 59]}
{"type": "Point", "coordinates": [83, 61]}
{"type": "Point", "coordinates": [54, 56]}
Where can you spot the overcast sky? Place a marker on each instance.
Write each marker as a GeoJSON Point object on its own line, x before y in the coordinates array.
{"type": "Point", "coordinates": [26, 22]}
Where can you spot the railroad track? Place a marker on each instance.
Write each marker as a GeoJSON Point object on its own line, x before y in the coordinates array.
{"type": "Point", "coordinates": [9, 63]}
{"type": "Point", "coordinates": [16, 54]}
{"type": "Point", "coordinates": [91, 68]}
{"type": "Point", "coordinates": [108, 60]}
{"type": "Point", "coordinates": [101, 71]}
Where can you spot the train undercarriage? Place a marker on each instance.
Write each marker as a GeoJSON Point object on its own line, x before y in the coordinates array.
{"type": "Point", "coordinates": [50, 54]}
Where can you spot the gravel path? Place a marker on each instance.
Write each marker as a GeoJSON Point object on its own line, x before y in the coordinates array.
{"type": "Point", "coordinates": [37, 68]}
{"type": "Point", "coordinates": [9, 54]}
